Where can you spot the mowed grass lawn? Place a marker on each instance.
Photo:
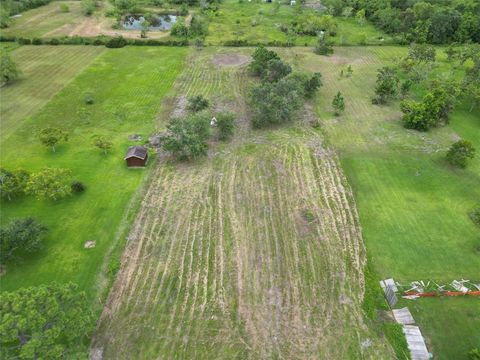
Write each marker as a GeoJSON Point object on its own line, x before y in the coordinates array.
{"type": "Point", "coordinates": [128, 86]}
{"type": "Point", "coordinates": [235, 21]}
{"type": "Point", "coordinates": [413, 206]}
{"type": "Point", "coordinates": [44, 20]}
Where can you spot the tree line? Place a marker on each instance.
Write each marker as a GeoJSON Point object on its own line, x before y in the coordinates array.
{"type": "Point", "coordinates": [428, 21]}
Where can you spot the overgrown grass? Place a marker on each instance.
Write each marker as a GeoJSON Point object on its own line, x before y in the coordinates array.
{"type": "Point", "coordinates": [257, 22]}
{"type": "Point", "coordinates": [128, 86]}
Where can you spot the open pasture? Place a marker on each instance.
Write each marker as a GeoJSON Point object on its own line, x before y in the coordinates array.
{"type": "Point", "coordinates": [413, 206]}
{"type": "Point", "coordinates": [254, 252]}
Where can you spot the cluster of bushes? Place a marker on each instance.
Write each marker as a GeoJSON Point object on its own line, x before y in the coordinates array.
{"type": "Point", "coordinates": [281, 92]}
{"type": "Point", "coordinates": [187, 138]}
{"type": "Point", "coordinates": [198, 28]}
{"type": "Point", "coordinates": [311, 24]}
{"type": "Point", "coordinates": [48, 183]}
{"type": "Point", "coordinates": [436, 22]}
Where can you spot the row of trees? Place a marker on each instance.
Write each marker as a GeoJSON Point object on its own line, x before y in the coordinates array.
{"type": "Point", "coordinates": [281, 92]}
{"type": "Point", "coordinates": [52, 136]}
{"type": "Point", "coordinates": [436, 22]}
{"type": "Point", "coordinates": [48, 183]}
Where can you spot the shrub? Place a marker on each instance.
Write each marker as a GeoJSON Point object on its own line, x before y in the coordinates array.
{"type": "Point", "coordinates": [78, 187]}
{"type": "Point", "coordinates": [88, 98]}
{"type": "Point", "coordinates": [460, 152]}
{"type": "Point", "coordinates": [179, 29]}
{"type": "Point", "coordinates": [261, 56]}
{"type": "Point", "coordinates": [64, 8]}
{"type": "Point", "coordinates": [116, 42]}
{"type": "Point", "coordinates": [386, 86]}
{"type": "Point", "coordinates": [24, 41]}
{"type": "Point", "coordinates": [474, 354]}
{"type": "Point", "coordinates": [54, 41]}
{"type": "Point", "coordinates": [88, 7]}
{"type": "Point", "coordinates": [37, 41]}
{"type": "Point", "coordinates": [225, 125]}
{"type": "Point", "coordinates": [475, 215]}
{"type": "Point", "coordinates": [8, 69]}
{"type": "Point", "coordinates": [197, 103]}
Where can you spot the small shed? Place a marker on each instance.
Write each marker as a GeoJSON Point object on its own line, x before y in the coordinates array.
{"type": "Point", "coordinates": [136, 156]}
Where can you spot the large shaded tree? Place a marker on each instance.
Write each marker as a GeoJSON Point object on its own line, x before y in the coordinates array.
{"type": "Point", "coordinates": [20, 235]}
{"type": "Point", "coordinates": [44, 322]}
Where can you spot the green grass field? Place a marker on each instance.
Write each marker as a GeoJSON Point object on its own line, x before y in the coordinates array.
{"type": "Point", "coordinates": [234, 21]}
{"type": "Point", "coordinates": [413, 206]}
{"type": "Point", "coordinates": [131, 81]}
{"type": "Point", "coordinates": [44, 20]}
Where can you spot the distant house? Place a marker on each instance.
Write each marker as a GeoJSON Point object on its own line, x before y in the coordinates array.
{"type": "Point", "coordinates": [136, 156]}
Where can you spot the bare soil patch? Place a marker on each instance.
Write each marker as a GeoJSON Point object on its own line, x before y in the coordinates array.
{"type": "Point", "coordinates": [224, 60]}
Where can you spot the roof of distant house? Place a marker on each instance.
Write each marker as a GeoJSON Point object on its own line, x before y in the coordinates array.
{"type": "Point", "coordinates": [136, 151]}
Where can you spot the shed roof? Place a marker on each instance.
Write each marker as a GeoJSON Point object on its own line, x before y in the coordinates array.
{"type": "Point", "coordinates": [136, 151]}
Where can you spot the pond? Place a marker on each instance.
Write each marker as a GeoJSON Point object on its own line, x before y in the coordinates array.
{"type": "Point", "coordinates": [157, 22]}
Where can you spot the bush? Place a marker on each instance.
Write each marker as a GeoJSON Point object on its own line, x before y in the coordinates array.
{"type": "Point", "coordinates": [226, 125]}
{"type": "Point", "coordinates": [37, 41]}
{"type": "Point", "coordinates": [197, 103]}
{"type": "Point", "coordinates": [88, 98]}
{"type": "Point", "coordinates": [24, 41]}
{"type": "Point", "coordinates": [116, 42]}
{"type": "Point", "coordinates": [64, 8]}
{"type": "Point", "coordinates": [78, 187]}
{"type": "Point", "coordinates": [460, 152]}
{"type": "Point", "coordinates": [475, 215]}
{"type": "Point", "coordinates": [88, 7]}
{"type": "Point", "coordinates": [54, 41]}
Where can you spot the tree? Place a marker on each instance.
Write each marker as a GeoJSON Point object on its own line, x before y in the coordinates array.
{"type": "Point", "coordinates": [261, 56]}
{"type": "Point", "coordinates": [386, 85]}
{"type": "Point", "coordinates": [324, 46]}
{"type": "Point", "coordinates": [312, 84]}
{"type": "Point", "coordinates": [275, 103]}
{"type": "Point", "coordinates": [460, 152]}
{"type": "Point", "coordinates": [13, 183]}
{"type": "Point", "coordinates": [20, 235]}
{"type": "Point", "coordinates": [50, 183]}
{"type": "Point", "coordinates": [197, 103]}
{"type": "Point", "coordinates": [51, 136]}
{"type": "Point", "coordinates": [44, 322]}
{"type": "Point", "coordinates": [8, 68]}
{"type": "Point", "coordinates": [187, 138]}
{"type": "Point", "coordinates": [226, 125]}
{"type": "Point", "coordinates": [338, 104]}
{"type": "Point", "coordinates": [414, 116]}
{"type": "Point", "coordinates": [276, 70]}
{"type": "Point", "coordinates": [349, 71]}
{"type": "Point", "coordinates": [405, 87]}
{"type": "Point", "coordinates": [103, 144]}
{"type": "Point", "coordinates": [474, 354]}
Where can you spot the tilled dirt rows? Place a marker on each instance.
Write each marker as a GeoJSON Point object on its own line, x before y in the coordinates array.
{"type": "Point", "coordinates": [258, 255]}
